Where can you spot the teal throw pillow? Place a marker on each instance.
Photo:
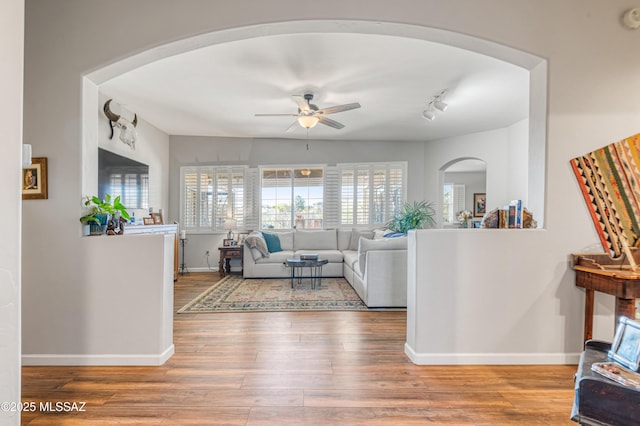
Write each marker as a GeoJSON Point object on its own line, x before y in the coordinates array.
{"type": "Point", "coordinates": [273, 242]}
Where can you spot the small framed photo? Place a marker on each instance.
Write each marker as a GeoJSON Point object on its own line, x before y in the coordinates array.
{"type": "Point", "coordinates": [34, 180]}
{"type": "Point", "coordinates": [241, 237]}
{"type": "Point", "coordinates": [227, 242]}
{"type": "Point", "coordinates": [233, 243]}
{"type": "Point", "coordinates": [157, 218]}
{"type": "Point", "coordinates": [479, 204]}
{"type": "Point", "coordinates": [625, 349]}
{"type": "Point", "coordinates": [147, 220]}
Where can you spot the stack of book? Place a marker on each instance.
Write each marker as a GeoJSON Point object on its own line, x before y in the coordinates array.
{"type": "Point", "coordinates": [511, 216]}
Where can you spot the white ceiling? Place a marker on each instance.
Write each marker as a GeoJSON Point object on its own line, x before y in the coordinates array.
{"type": "Point", "coordinates": [216, 90]}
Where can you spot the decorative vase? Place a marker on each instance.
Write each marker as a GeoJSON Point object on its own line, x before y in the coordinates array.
{"type": "Point", "coordinates": [98, 228]}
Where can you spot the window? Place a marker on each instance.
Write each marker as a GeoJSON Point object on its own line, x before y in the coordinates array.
{"type": "Point", "coordinates": [453, 202]}
{"type": "Point", "coordinates": [210, 195]}
{"type": "Point", "coordinates": [292, 198]}
{"type": "Point", "coordinates": [370, 194]}
{"type": "Point", "coordinates": [288, 197]}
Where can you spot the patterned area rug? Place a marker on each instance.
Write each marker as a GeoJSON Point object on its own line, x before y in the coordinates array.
{"type": "Point", "coordinates": [233, 293]}
{"type": "Point", "coordinates": [609, 179]}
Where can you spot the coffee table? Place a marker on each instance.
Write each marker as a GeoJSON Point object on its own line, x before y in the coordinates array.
{"type": "Point", "coordinates": [315, 270]}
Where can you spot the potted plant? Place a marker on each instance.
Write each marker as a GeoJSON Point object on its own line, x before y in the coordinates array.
{"type": "Point", "coordinates": [416, 215]}
{"type": "Point", "coordinates": [101, 212]}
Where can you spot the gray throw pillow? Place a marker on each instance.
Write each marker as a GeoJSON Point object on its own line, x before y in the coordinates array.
{"type": "Point", "coordinates": [255, 240]}
{"type": "Point", "coordinates": [355, 237]}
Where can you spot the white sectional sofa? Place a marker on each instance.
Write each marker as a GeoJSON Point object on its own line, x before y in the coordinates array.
{"type": "Point", "coordinates": [375, 267]}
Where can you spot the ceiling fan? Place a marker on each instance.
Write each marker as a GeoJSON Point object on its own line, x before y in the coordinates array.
{"type": "Point", "coordinates": [309, 114]}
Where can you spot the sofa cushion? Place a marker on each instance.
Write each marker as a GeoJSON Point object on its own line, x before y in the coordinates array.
{"type": "Point", "coordinates": [255, 253]}
{"type": "Point", "coordinates": [315, 240]}
{"type": "Point", "coordinates": [380, 233]}
{"type": "Point", "coordinates": [286, 238]}
{"type": "Point", "coordinates": [356, 234]}
{"type": "Point", "coordinates": [273, 242]}
{"type": "Point", "coordinates": [255, 240]}
{"type": "Point", "coordinates": [350, 257]}
{"type": "Point", "coordinates": [344, 238]}
{"type": "Point", "coordinates": [333, 256]}
{"type": "Point", "coordinates": [383, 244]}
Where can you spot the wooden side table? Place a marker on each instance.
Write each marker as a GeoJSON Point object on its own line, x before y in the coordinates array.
{"type": "Point", "coordinates": [226, 254]}
{"type": "Point", "coordinates": [624, 285]}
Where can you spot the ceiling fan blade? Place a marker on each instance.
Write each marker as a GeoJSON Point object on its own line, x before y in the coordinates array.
{"type": "Point", "coordinates": [276, 115]}
{"type": "Point", "coordinates": [302, 103]}
{"type": "Point", "coordinates": [292, 127]}
{"type": "Point", "coordinates": [329, 122]}
{"type": "Point", "coordinates": [339, 108]}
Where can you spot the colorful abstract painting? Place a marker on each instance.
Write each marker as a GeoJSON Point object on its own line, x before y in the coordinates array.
{"type": "Point", "coordinates": [609, 179]}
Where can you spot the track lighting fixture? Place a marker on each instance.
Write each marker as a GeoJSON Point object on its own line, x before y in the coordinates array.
{"type": "Point", "coordinates": [428, 114]}
{"type": "Point", "coordinates": [435, 103]}
{"type": "Point", "coordinates": [439, 105]}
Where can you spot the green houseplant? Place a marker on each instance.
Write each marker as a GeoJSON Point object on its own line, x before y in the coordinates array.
{"type": "Point", "coordinates": [102, 211]}
{"type": "Point", "coordinates": [416, 215]}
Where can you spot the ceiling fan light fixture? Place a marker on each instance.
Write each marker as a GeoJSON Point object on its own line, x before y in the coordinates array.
{"type": "Point", "coordinates": [308, 121]}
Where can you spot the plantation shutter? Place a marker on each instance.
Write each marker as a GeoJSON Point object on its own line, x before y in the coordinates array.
{"type": "Point", "coordinates": [252, 199]}
{"type": "Point", "coordinates": [370, 194]}
{"type": "Point", "coordinates": [189, 200]}
{"type": "Point", "coordinates": [396, 190]}
{"type": "Point", "coordinates": [331, 197]}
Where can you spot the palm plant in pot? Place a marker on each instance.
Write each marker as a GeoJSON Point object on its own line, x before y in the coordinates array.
{"type": "Point", "coordinates": [102, 211]}
{"type": "Point", "coordinates": [416, 215]}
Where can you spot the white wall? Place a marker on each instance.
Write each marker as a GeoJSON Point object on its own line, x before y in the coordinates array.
{"type": "Point", "coordinates": [187, 150]}
{"type": "Point", "coordinates": [504, 152]}
{"type": "Point", "coordinates": [127, 310]}
{"type": "Point", "coordinates": [490, 302]}
{"type": "Point", "coordinates": [152, 148]}
{"type": "Point", "coordinates": [491, 147]}
{"type": "Point", "coordinates": [592, 69]}
{"type": "Point", "coordinates": [11, 52]}
{"type": "Point", "coordinates": [517, 162]}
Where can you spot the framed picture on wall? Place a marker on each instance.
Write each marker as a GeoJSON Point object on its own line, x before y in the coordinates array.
{"type": "Point", "coordinates": [479, 204]}
{"type": "Point", "coordinates": [34, 180]}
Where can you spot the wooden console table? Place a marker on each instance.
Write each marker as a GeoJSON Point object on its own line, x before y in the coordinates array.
{"type": "Point", "coordinates": [226, 254]}
{"type": "Point", "coordinates": [623, 284]}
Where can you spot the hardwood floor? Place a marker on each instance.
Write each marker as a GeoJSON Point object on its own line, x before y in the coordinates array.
{"type": "Point", "coordinates": [304, 368]}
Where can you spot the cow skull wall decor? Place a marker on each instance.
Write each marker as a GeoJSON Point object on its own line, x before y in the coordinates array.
{"type": "Point", "coordinates": [127, 128]}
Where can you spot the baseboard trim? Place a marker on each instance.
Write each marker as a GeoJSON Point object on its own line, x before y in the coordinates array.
{"type": "Point", "coordinates": [490, 358]}
{"type": "Point", "coordinates": [203, 269]}
{"type": "Point", "coordinates": [106, 359]}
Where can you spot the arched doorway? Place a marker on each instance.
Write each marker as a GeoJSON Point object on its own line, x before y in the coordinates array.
{"type": "Point", "coordinates": [462, 181]}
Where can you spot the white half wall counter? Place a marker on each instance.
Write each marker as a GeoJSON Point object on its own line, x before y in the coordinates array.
{"type": "Point", "coordinates": [125, 309]}
{"type": "Point", "coordinates": [490, 296]}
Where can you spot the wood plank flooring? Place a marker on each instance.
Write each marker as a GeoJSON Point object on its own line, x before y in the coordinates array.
{"type": "Point", "coordinates": [303, 368]}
